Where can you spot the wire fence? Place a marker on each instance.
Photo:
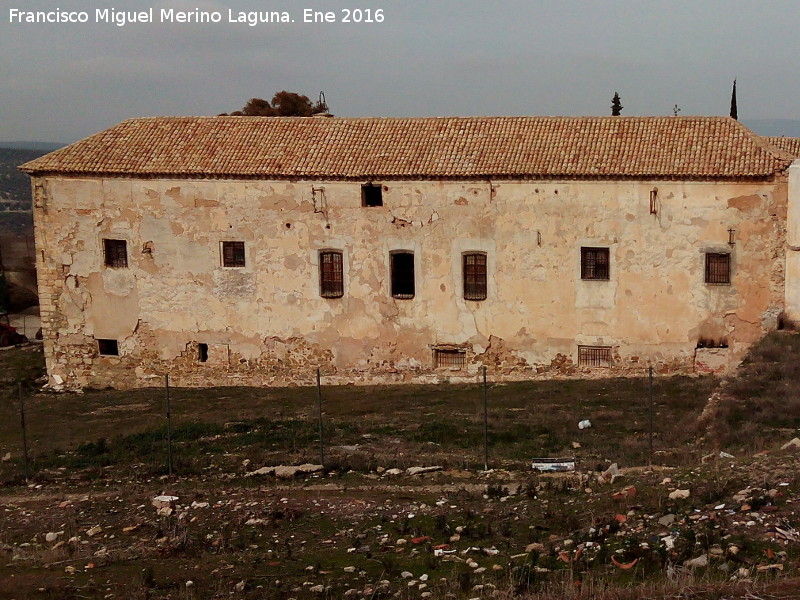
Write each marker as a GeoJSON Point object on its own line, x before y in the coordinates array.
{"type": "Point", "coordinates": [182, 431]}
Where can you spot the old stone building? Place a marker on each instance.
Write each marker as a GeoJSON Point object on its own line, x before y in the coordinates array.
{"type": "Point", "coordinates": [238, 250]}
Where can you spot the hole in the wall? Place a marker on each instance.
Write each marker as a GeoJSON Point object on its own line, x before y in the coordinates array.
{"type": "Point", "coordinates": [328, 226]}
{"type": "Point", "coordinates": [787, 324]}
{"type": "Point", "coordinates": [371, 195]}
{"type": "Point", "coordinates": [202, 352]}
{"type": "Point", "coordinates": [288, 226]}
{"type": "Point", "coordinates": [705, 342]}
{"type": "Point", "coordinates": [108, 347]}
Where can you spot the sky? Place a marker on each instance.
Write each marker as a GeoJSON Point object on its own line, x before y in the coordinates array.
{"type": "Point", "coordinates": [60, 82]}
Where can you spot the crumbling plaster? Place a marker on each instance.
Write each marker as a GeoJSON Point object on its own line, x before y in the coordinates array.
{"type": "Point", "coordinates": [266, 323]}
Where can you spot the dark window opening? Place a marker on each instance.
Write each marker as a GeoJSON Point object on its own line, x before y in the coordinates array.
{"type": "Point", "coordinates": [331, 274]}
{"type": "Point", "coordinates": [202, 352]}
{"type": "Point", "coordinates": [449, 358]}
{"type": "Point", "coordinates": [402, 274]}
{"type": "Point", "coordinates": [233, 254]}
{"type": "Point", "coordinates": [115, 253]}
{"type": "Point", "coordinates": [704, 342]}
{"type": "Point", "coordinates": [108, 347]}
{"type": "Point", "coordinates": [371, 195]}
{"type": "Point", "coordinates": [594, 356]}
{"type": "Point", "coordinates": [594, 263]}
{"type": "Point", "coordinates": [475, 276]}
{"type": "Point", "coordinates": [718, 268]}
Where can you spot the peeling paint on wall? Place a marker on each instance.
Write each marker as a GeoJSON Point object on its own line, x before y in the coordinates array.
{"type": "Point", "coordinates": [265, 323]}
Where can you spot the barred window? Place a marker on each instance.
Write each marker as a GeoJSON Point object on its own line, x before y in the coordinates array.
{"type": "Point", "coordinates": [594, 263]}
{"type": "Point", "coordinates": [475, 276]}
{"type": "Point", "coordinates": [449, 358]}
{"type": "Point", "coordinates": [331, 274]}
{"type": "Point", "coordinates": [594, 356]}
{"type": "Point", "coordinates": [402, 267]}
{"type": "Point", "coordinates": [233, 254]}
{"type": "Point", "coordinates": [718, 268]}
{"type": "Point", "coordinates": [115, 253]}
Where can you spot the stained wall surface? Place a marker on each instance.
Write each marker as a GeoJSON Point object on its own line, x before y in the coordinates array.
{"type": "Point", "coordinates": [267, 324]}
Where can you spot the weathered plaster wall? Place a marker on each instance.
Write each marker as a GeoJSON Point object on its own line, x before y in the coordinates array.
{"type": "Point", "coordinates": [266, 323]}
{"type": "Point", "coordinates": [793, 245]}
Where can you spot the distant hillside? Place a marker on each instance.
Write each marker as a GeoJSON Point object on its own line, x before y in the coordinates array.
{"type": "Point", "coordinates": [15, 186]}
{"type": "Point", "coordinates": [42, 147]}
{"type": "Point", "coordinates": [15, 189]}
{"type": "Point", "coordinates": [774, 127]}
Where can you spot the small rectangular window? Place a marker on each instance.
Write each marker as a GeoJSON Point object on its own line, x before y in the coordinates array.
{"type": "Point", "coordinates": [371, 195]}
{"type": "Point", "coordinates": [594, 263]}
{"type": "Point", "coordinates": [475, 276]}
{"type": "Point", "coordinates": [594, 356]}
{"type": "Point", "coordinates": [718, 268]}
{"type": "Point", "coordinates": [202, 352]}
{"type": "Point", "coordinates": [115, 253]}
{"type": "Point", "coordinates": [402, 266]}
{"type": "Point", "coordinates": [331, 274]}
{"type": "Point", "coordinates": [233, 254]}
{"type": "Point", "coordinates": [449, 358]}
{"type": "Point", "coordinates": [108, 347]}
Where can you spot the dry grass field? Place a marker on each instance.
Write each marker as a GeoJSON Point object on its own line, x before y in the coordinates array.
{"type": "Point", "coordinates": [695, 525]}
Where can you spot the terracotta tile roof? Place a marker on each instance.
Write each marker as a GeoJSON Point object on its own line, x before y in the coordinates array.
{"type": "Point", "coordinates": [402, 148]}
{"type": "Point", "coordinates": [787, 144]}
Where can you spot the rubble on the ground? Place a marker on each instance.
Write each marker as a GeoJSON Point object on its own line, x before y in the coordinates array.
{"type": "Point", "coordinates": [496, 527]}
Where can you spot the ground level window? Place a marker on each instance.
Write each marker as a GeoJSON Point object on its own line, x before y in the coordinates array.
{"type": "Point", "coordinates": [331, 274]}
{"type": "Point", "coordinates": [233, 254]}
{"type": "Point", "coordinates": [115, 253]}
{"type": "Point", "coordinates": [594, 263]}
{"type": "Point", "coordinates": [402, 267]}
{"type": "Point", "coordinates": [475, 276]}
{"type": "Point", "coordinates": [718, 268]}
{"type": "Point", "coordinates": [202, 352]}
{"type": "Point", "coordinates": [108, 347]}
{"type": "Point", "coordinates": [594, 356]}
{"type": "Point", "coordinates": [371, 195]}
{"type": "Point", "coordinates": [449, 358]}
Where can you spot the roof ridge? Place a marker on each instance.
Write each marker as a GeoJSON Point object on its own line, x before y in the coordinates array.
{"type": "Point", "coordinates": [411, 147]}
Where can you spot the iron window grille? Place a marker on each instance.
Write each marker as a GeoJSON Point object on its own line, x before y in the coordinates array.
{"type": "Point", "coordinates": [402, 267]}
{"type": "Point", "coordinates": [594, 356]}
{"type": "Point", "coordinates": [718, 268]}
{"type": "Point", "coordinates": [371, 195]}
{"type": "Point", "coordinates": [108, 347]}
{"type": "Point", "coordinates": [233, 254]}
{"type": "Point", "coordinates": [595, 263]}
{"type": "Point", "coordinates": [449, 358]}
{"type": "Point", "coordinates": [331, 274]}
{"type": "Point", "coordinates": [115, 253]}
{"type": "Point", "coordinates": [475, 276]}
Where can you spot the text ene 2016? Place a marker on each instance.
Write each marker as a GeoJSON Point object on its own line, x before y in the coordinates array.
{"type": "Point", "coordinates": [347, 15]}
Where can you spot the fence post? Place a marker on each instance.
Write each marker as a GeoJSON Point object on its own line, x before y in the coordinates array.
{"type": "Point", "coordinates": [169, 425]}
{"type": "Point", "coordinates": [650, 414]}
{"type": "Point", "coordinates": [24, 431]}
{"type": "Point", "coordinates": [485, 424]}
{"type": "Point", "coordinates": [319, 415]}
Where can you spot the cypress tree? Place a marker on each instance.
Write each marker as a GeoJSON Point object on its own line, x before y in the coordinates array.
{"type": "Point", "coordinates": [616, 105]}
